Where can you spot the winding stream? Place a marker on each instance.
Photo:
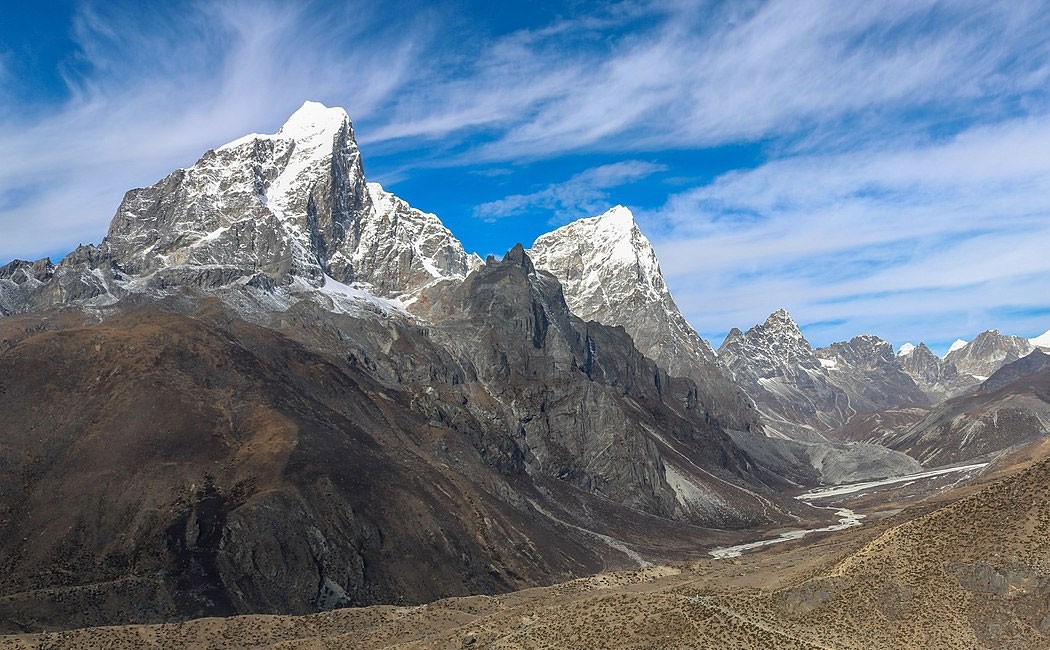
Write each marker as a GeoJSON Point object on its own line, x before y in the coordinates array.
{"type": "Point", "coordinates": [847, 517]}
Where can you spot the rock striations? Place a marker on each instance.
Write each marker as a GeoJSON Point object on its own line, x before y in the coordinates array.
{"type": "Point", "coordinates": [775, 364]}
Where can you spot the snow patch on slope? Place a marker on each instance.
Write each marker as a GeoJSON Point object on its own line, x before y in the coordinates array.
{"type": "Point", "coordinates": [349, 299]}
{"type": "Point", "coordinates": [958, 345]}
{"type": "Point", "coordinates": [1041, 341]}
{"type": "Point", "coordinates": [313, 124]}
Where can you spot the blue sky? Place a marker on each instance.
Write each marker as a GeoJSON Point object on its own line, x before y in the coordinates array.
{"type": "Point", "coordinates": [874, 167]}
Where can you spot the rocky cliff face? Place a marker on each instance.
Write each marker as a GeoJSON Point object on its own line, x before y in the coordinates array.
{"type": "Point", "coordinates": [777, 367]}
{"type": "Point", "coordinates": [937, 378]}
{"type": "Point", "coordinates": [868, 371]}
{"type": "Point", "coordinates": [610, 274]}
{"type": "Point", "coordinates": [574, 389]}
{"type": "Point", "coordinates": [988, 352]}
{"type": "Point", "coordinates": [401, 249]}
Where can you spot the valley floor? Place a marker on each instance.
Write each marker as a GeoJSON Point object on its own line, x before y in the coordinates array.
{"type": "Point", "coordinates": [966, 569]}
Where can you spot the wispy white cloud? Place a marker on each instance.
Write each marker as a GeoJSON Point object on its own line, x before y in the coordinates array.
{"type": "Point", "coordinates": [702, 75]}
{"type": "Point", "coordinates": [906, 233]}
{"type": "Point", "coordinates": [579, 196]}
{"type": "Point", "coordinates": [150, 92]}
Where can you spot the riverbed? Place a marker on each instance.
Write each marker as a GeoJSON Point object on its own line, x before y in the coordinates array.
{"type": "Point", "coordinates": [847, 518]}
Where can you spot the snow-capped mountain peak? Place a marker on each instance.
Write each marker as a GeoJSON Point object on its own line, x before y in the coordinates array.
{"type": "Point", "coordinates": [957, 345]}
{"type": "Point", "coordinates": [293, 206]}
{"type": "Point", "coordinates": [617, 217]}
{"type": "Point", "coordinates": [280, 204]}
{"type": "Point", "coordinates": [588, 254]}
{"type": "Point", "coordinates": [906, 349]}
{"type": "Point", "coordinates": [312, 125]}
{"type": "Point", "coordinates": [613, 239]}
{"type": "Point", "coordinates": [610, 273]}
{"type": "Point", "coordinates": [1041, 341]}
{"type": "Point", "coordinates": [314, 121]}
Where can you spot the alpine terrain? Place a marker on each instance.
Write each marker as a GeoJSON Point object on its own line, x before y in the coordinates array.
{"type": "Point", "coordinates": [275, 391]}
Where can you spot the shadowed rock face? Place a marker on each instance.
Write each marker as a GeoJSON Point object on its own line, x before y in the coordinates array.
{"type": "Point", "coordinates": [585, 405]}
{"type": "Point", "coordinates": [159, 465]}
{"type": "Point", "coordinates": [610, 274]}
{"type": "Point", "coordinates": [184, 462]}
{"type": "Point", "coordinates": [965, 571]}
{"type": "Point", "coordinates": [1031, 364]}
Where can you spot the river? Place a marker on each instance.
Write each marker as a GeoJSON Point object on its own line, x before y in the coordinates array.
{"type": "Point", "coordinates": [847, 518]}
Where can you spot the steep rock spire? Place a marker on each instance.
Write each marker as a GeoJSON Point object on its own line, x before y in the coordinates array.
{"type": "Point", "coordinates": [290, 205]}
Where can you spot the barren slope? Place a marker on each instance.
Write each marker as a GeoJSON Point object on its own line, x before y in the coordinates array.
{"type": "Point", "coordinates": [974, 573]}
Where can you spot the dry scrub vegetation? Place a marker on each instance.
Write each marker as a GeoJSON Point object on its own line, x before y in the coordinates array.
{"type": "Point", "coordinates": [973, 573]}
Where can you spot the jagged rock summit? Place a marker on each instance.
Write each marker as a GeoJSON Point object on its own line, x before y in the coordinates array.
{"type": "Point", "coordinates": [988, 352]}
{"type": "Point", "coordinates": [937, 378]}
{"type": "Point", "coordinates": [292, 205]}
{"type": "Point", "coordinates": [868, 371]}
{"type": "Point", "coordinates": [610, 274]}
{"type": "Point", "coordinates": [291, 209]}
{"type": "Point", "coordinates": [777, 367]}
